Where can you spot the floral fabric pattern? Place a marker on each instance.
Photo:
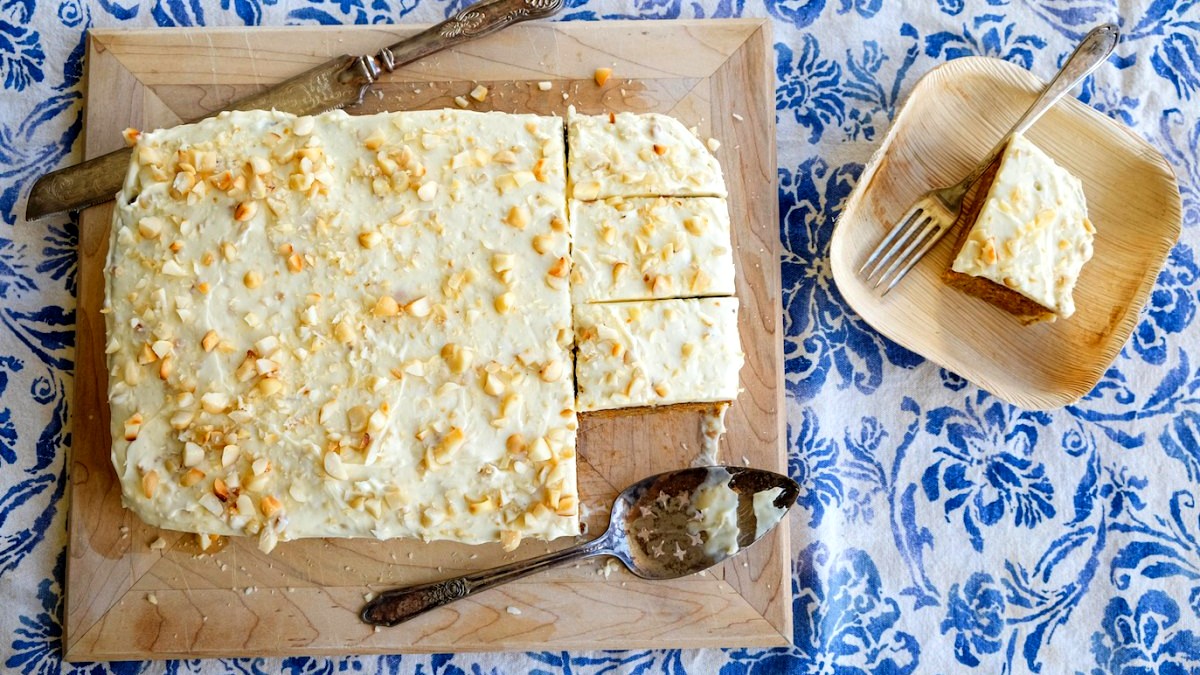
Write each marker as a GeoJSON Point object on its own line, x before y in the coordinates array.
{"type": "Point", "coordinates": [938, 529]}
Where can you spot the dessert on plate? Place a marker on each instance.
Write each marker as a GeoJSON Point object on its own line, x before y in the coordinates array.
{"type": "Point", "coordinates": [1027, 239]}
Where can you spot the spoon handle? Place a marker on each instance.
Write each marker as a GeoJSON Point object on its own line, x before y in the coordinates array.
{"type": "Point", "coordinates": [401, 604]}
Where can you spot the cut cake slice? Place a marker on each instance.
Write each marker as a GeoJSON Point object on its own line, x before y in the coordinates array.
{"type": "Point", "coordinates": [638, 155]}
{"type": "Point", "coordinates": [658, 352]}
{"type": "Point", "coordinates": [647, 248]}
{"type": "Point", "coordinates": [1027, 239]}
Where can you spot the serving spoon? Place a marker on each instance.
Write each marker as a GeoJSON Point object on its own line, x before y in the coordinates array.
{"type": "Point", "coordinates": [662, 527]}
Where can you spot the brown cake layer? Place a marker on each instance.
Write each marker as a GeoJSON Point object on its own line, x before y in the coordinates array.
{"type": "Point", "coordinates": [1026, 310]}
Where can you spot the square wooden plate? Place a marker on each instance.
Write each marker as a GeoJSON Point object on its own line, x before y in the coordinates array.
{"type": "Point", "coordinates": [126, 600]}
{"type": "Point", "coordinates": [952, 118]}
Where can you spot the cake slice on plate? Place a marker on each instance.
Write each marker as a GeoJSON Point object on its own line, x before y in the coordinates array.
{"type": "Point", "coordinates": [1027, 240]}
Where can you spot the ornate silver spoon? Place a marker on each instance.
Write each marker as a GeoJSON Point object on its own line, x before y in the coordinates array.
{"type": "Point", "coordinates": [665, 526]}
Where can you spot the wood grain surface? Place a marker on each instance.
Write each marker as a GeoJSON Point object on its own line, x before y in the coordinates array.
{"type": "Point", "coordinates": [951, 120]}
{"type": "Point", "coordinates": [127, 601]}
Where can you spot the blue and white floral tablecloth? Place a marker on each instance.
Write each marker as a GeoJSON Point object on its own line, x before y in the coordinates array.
{"type": "Point", "coordinates": [938, 529]}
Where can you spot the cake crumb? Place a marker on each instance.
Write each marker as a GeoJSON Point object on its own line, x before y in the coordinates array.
{"type": "Point", "coordinates": [158, 544]}
{"type": "Point", "coordinates": [610, 566]}
{"type": "Point", "coordinates": [368, 596]}
{"type": "Point", "coordinates": [514, 611]}
{"type": "Point", "coordinates": [479, 93]}
{"type": "Point", "coordinates": [713, 144]}
{"type": "Point", "coordinates": [601, 76]}
{"type": "Point", "coordinates": [544, 85]}
{"type": "Point", "coordinates": [152, 598]}
{"type": "Point", "coordinates": [738, 117]}
{"type": "Point", "coordinates": [461, 101]}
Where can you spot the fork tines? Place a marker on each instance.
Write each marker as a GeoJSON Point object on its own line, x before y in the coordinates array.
{"type": "Point", "coordinates": [906, 243]}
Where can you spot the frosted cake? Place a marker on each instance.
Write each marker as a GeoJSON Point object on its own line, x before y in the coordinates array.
{"type": "Point", "coordinates": [647, 155]}
{"type": "Point", "coordinates": [661, 352]}
{"type": "Point", "coordinates": [345, 326]}
{"type": "Point", "coordinates": [1029, 239]}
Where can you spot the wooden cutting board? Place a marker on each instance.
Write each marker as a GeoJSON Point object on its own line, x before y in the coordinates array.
{"type": "Point", "coordinates": [126, 600]}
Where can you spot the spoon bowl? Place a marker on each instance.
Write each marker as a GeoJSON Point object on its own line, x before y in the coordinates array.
{"type": "Point", "coordinates": [654, 527]}
{"type": "Point", "coordinates": [663, 527]}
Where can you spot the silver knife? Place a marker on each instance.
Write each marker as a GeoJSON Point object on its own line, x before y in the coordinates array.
{"type": "Point", "coordinates": [339, 82]}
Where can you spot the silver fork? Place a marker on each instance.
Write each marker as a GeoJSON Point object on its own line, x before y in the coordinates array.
{"type": "Point", "coordinates": [934, 214]}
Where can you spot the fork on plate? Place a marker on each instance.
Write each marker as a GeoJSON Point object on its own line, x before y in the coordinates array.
{"type": "Point", "coordinates": [935, 213]}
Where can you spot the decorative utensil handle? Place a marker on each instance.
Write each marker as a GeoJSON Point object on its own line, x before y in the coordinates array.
{"type": "Point", "coordinates": [1087, 57]}
{"type": "Point", "coordinates": [400, 605]}
{"type": "Point", "coordinates": [475, 21]}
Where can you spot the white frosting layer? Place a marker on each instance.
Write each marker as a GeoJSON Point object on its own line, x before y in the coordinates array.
{"type": "Point", "coordinates": [345, 326]}
{"type": "Point", "coordinates": [646, 155]}
{"type": "Point", "coordinates": [659, 352]}
{"type": "Point", "coordinates": [645, 248]}
{"type": "Point", "coordinates": [1033, 234]}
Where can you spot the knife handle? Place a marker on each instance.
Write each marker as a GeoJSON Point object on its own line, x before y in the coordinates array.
{"type": "Point", "coordinates": [91, 182]}
{"type": "Point", "coordinates": [471, 22]}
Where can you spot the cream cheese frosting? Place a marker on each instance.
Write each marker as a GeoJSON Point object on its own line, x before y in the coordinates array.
{"type": "Point", "coordinates": [646, 248]}
{"type": "Point", "coordinates": [1032, 234]}
{"type": "Point", "coordinates": [638, 155]}
{"type": "Point", "coordinates": [659, 352]}
{"type": "Point", "coordinates": [345, 326]}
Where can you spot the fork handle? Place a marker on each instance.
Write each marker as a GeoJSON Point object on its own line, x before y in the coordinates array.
{"type": "Point", "coordinates": [1091, 52]}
